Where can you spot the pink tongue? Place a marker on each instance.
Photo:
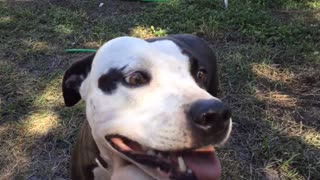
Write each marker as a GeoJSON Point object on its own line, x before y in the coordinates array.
{"type": "Point", "coordinates": [204, 164]}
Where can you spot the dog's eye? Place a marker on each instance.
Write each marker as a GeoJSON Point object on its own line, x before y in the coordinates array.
{"type": "Point", "coordinates": [136, 79]}
{"type": "Point", "coordinates": [202, 75]}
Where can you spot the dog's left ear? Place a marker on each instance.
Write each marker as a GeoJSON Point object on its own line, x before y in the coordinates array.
{"type": "Point", "coordinates": [73, 78]}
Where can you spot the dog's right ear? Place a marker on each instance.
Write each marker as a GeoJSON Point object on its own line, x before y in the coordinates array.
{"type": "Point", "coordinates": [73, 78]}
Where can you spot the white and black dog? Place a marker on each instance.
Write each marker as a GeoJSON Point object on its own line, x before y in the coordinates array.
{"type": "Point", "coordinates": [151, 108]}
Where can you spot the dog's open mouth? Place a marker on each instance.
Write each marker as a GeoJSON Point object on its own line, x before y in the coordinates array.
{"type": "Point", "coordinates": [201, 163]}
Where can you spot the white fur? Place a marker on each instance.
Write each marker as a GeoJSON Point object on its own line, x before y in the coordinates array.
{"type": "Point", "coordinates": [156, 109]}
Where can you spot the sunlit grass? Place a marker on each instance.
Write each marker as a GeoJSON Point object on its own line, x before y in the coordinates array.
{"type": "Point", "coordinates": [40, 46]}
{"type": "Point", "coordinates": [14, 147]}
{"type": "Point", "coordinates": [63, 29]}
{"type": "Point", "coordinates": [93, 44]}
{"type": "Point", "coordinates": [51, 95]}
{"type": "Point", "coordinates": [314, 4]}
{"type": "Point", "coordinates": [141, 32]}
{"type": "Point", "coordinates": [272, 72]}
{"type": "Point", "coordinates": [278, 98]}
{"type": "Point", "coordinates": [147, 32]}
{"type": "Point", "coordinates": [5, 19]}
{"type": "Point", "coordinates": [41, 123]}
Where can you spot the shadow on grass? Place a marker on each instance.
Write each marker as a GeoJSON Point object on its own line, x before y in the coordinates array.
{"type": "Point", "coordinates": [274, 137]}
{"type": "Point", "coordinates": [269, 138]}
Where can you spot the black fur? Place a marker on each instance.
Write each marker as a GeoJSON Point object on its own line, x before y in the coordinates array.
{"type": "Point", "coordinates": [201, 56]}
{"type": "Point", "coordinates": [108, 82]}
{"type": "Point", "coordinates": [73, 78]}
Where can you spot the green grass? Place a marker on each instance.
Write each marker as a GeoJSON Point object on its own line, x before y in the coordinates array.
{"type": "Point", "coordinates": [269, 61]}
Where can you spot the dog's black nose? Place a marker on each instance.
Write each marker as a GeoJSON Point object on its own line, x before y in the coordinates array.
{"type": "Point", "coordinates": [209, 114]}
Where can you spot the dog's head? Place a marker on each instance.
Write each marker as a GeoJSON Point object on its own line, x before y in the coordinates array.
{"type": "Point", "coordinates": [152, 103]}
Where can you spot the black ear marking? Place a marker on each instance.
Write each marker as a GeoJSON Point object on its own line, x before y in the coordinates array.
{"type": "Point", "coordinates": [73, 78]}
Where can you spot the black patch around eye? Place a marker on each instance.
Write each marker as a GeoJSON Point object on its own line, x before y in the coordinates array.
{"type": "Point", "coordinates": [109, 81]}
{"type": "Point", "coordinates": [194, 70]}
{"type": "Point", "coordinates": [202, 75]}
{"type": "Point", "coordinates": [194, 67]}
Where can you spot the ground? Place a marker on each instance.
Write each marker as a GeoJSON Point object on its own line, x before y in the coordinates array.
{"type": "Point", "coordinates": [269, 64]}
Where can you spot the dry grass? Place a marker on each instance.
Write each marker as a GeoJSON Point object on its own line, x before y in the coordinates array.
{"type": "Point", "coordinates": [269, 65]}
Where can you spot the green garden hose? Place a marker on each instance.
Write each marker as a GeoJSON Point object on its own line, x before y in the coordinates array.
{"type": "Point", "coordinates": [80, 50]}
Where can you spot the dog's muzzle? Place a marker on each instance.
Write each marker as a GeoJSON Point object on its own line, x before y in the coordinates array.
{"type": "Point", "coordinates": [209, 121]}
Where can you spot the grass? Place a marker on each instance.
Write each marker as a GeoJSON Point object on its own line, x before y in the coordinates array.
{"type": "Point", "coordinates": [269, 61]}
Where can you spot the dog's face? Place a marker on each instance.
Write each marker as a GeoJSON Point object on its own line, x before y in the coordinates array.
{"type": "Point", "coordinates": [144, 98]}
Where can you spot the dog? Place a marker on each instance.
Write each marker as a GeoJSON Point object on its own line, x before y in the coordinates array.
{"type": "Point", "coordinates": [152, 110]}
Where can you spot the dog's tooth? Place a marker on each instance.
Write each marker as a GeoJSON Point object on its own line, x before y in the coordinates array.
{"type": "Point", "coordinates": [159, 155]}
{"type": "Point", "coordinates": [151, 152]}
{"type": "Point", "coordinates": [189, 171]}
{"type": "Point", "coordinates": [182, 164]}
